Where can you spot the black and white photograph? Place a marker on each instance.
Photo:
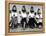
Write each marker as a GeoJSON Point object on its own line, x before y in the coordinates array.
{"type": "Point", "coordinates": [25, 18]}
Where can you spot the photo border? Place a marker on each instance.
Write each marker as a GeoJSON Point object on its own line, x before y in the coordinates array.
{"type": "Point", "coordinates": [23, 3]}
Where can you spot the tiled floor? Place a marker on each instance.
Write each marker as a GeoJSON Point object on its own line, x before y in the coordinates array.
{"type": "Point", "coordinates": [20, 29]}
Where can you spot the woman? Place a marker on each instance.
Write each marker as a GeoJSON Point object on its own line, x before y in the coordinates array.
{"type": "Point", "coordinates": [12, 22]}
{"type": "Point", "coordinates": [27, 25]}
{"type": "Point", "coordinates": [14, 12]}
{"type": "Point", "coordinates": [23, 21]}
{"type": "Point", "coordinates": [39, 19]}
{"type": "Point", "coordinates": [19, 18]}
{"type": "Point", "coordinates": [31, 18]}
{"type": "Point", "coordinates": [14, 9]}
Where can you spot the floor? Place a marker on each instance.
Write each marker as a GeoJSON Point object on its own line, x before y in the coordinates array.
{"type": "Point", "coordinates": [20, 29]}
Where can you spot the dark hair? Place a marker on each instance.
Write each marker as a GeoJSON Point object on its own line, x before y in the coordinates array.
{"type": "Point", "coordinates": [31, 10]}
{"type": "Point", "coordinates": [23, 6]}
{"type": "Point", "coordinates": [35, 13]}
{"type": "Point", "coordinates": [38, 9]}
{"type": "Point", "coordinates": [23, 10]}
{"type": "Point", "coordinates": [19, 12]}
{"type": "Point", "coordinates": [14, 15]}
{"type": "Point", "coordinates": [39, 13]}
{"type": "Point", "coordinates": [14, 10]}
{"type": "Point", "coordinates": [27, 12]}
{"type": "Point", "coordinates": [31, 7]}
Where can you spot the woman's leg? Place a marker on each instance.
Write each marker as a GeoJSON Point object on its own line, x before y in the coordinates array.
{"type": "Point", "coordinates": [22, 22]}
{"type": "Point", "coordinates": [35, 23]}
{"type": "Point", "coordinates": [29, 22]}
{"type": "Point", "coordinates": [25, 23]}
{"type": "Point", "coordinates": [32, 23]}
